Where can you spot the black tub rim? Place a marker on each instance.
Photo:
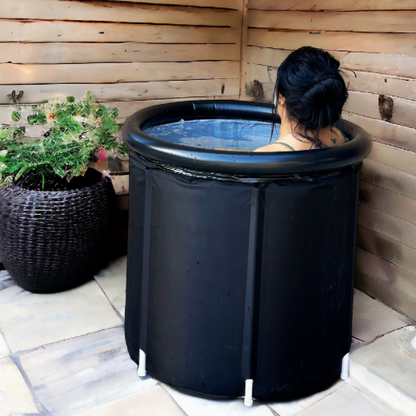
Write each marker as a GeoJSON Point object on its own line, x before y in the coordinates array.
{"type": "Point", "coordinates": [245, 163]}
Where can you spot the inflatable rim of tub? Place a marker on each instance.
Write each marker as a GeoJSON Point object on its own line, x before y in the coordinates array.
{"type": "Point", "coordinates": [242, 163]}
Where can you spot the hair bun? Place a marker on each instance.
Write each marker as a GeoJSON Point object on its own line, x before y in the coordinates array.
{"type": "Point", "coordinates": [327, 95]}
{"type": "Point", "coordinates": [326, 87]}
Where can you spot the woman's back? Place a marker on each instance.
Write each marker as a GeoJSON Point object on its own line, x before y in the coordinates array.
{"type": "Point", "coordinates": [328, 137]}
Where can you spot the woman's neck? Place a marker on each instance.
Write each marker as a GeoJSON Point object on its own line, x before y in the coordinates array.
{"type": "Point", "coordinates": [286, 127]}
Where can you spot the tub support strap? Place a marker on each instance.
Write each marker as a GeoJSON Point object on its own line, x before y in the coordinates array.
{"type": "Point", "coordinates": [141, 371]}
{"type": "Point", "coordinates": [248, 397]}
{"type": "Point", "coordinates": [345, 367]}
{"type": "Point", "coordinates": [249, 303]}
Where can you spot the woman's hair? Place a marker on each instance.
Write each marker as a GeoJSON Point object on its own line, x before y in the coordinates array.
{"type": "Point", "coordinates": [310, 81]}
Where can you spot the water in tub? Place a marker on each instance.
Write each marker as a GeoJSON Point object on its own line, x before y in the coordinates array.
{"type": "Point", "coordinates": [220, 134]}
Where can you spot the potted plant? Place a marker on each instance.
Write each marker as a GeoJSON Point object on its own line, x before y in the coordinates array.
{"type": "Point", "coordinates": [55, 211]}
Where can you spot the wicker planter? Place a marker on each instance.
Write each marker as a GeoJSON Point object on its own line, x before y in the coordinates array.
{"type": "Point", "coordinates": [53, 240]}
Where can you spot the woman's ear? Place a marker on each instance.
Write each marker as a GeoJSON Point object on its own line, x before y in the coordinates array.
{"type": "Point", "coordinates": [281, 106]}
{"type": "Point", "coordinates": [280, 100]}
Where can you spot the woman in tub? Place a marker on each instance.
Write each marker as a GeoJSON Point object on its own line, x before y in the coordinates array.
{"type": "Point", "coordinates": [309, 95]}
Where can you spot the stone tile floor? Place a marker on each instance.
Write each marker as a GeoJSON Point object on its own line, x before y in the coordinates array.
{"type": "Point", "coordinates": [64, 354]}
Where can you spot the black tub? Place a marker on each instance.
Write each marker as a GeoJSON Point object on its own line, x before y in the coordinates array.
{"type": "Point", "coordinates": [240, 264]}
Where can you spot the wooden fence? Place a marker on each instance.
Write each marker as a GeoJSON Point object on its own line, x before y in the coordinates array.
{"type": "Point", "coordinates": [129, 53]}
{"type": "Point", "coordinates": [132, 54]}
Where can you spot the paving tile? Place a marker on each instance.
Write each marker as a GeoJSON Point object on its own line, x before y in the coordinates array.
{"type": "Point", "coordinates": [112, 281]}
{"type": "Point", "coordinates": [5, 280]}
{"type": "Point", "coordinates": [347, 401]}
{"type": "Point", "coordinates": [198, 406]}
{"type": "Point", "coordinates": [30, 320]}
{"type": "Point", "coordinates": [371, 318]}
{"type": "Point", "coordinates": [74, 375]}
{"type": "Point", "coordinates": [387, 368]}
{"type": "Point", "coordinates": [4, 349]}
{"type": "Point", "coordinates": [15, 397]}
{"type": "Point", "coordinates": [152, 402]}
{"type": "Point", "coordinates": [24, 414]}
{"type": "Point", "coordinates": [294, 407]}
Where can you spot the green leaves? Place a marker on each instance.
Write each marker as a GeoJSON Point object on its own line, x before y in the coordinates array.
{"type": "Point", "coordinates": [37, 119]}
{"type": "Point", "coordinates": [9, 134]}
{"type": "Point", "coordinates": [16, 116]}
{"type": "Point", "coordinates": [74, 132]}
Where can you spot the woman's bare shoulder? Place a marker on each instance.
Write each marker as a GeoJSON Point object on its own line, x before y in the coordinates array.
{"type": "Point", "coordinates": [275, 147]}
{"type": "Point", "coordinates": [331, 136]}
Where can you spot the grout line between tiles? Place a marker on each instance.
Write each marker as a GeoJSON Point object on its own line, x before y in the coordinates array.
{"type": "Point", "coordinates": [109, 301]}
{"type": "Point", "coordinates": [389, 332]}
{"type": "Point", "coordinates": [319, 401]}
{"type": "Point", "coordinates": [6, 342]}
{"type": "Point", "coordinates": [358, 339]}
{"type": "Point", "coordinates": [38, 404]}
{"type": "Point", "coordinates": [174, 401]}
{"type": "Point", "coordinates": [274, 413]}
{"type": "Point", "coordinates": [373, 397]}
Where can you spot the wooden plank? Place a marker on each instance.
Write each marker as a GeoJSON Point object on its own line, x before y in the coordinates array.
{"type": "Point", "coordinates": [366, 104]}
{"type": "Point", "coordinates": [115, 72]}
{"type": "Point", "coordinates": [368, 21]}
{"type": "Point", "coordinates": [266, 56]}
{"type": "Point", "coordinates": [392, 227]}
{"type": "Point", "coordinates": [388, 64]}
{"type": "Point", "coordinates": [50, 53]}
{"type": "Point", "coordinates": [332, 5]}
{"type": "Point", "coordinates": [120, 184]}
{"type": "Point", "coordinates": [125, 108]}
{"type": "Point", "coordinates": [385, 132]}
{"type": "Point", "coordinates": [363, 104]}
{"type": "Point", "coordinates": [393, 43]}
{"type": "Point", "coordinates": [223, 4]}
{"type": "Point", "coordinates": [17, 52]}
{"type": "Point", "coordinates": [266, 75]}
{"type": "Point", "coordinates": [58, 31]}
{"type": "Point", "coordinates": [404, 112]}
{"type": "Point", "coordinates": [381, 84]}
{"type": "Point", "coordinates": [388, 202]}
{"type": "Point", "coordinates": [387, 273]}
{"type": "Point", "coordinates": [263, 74]}
{"type": "Point", "coordinates": [385, 294]}
{"type": "Point", "coordinates": [399, 65]}
{"type": "Point", "coordinates": [389, 178]}
{"type": "Point", "coordinates": [126, 91]}
{"type": "Point", "coordinates": [243, 51]}
{"type": "Point", "coordinates": [118, 12]}
{"type": "Point", "coordinates": [274, 57]}
{"type": "Point", "coordinates": [391, 156]}
{"type": "Point", "coordinates": [386, 248]}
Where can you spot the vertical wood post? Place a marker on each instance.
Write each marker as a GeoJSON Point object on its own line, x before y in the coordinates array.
{"type": "Point", "coordinates": [243, 49]}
